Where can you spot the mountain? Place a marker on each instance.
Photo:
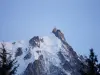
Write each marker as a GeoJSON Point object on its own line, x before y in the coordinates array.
{"type": "Point", "coordinates": [47, 55]}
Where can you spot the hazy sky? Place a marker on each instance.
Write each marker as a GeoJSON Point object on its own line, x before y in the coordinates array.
{"type": "Point", "coordinates": [79, 20]}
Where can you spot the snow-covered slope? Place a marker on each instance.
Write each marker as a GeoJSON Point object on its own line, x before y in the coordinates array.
{"type": "Point", "coordinates": [47, 55]}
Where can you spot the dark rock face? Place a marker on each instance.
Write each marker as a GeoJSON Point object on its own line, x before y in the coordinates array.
{"type": "Point", "coordinates": [58, 34]}
{"type": "Point", "coordinates": [28, 56]}
{"type": "Point", "coordinates": [36, 68]}
{"type": "Point", "coordinates": [19, 52]}
{"type": "Point", "coordinates": [35, 41]}
{"type": "Point", "coordinates": [54, 70]}
{"type": "Point", "coordinates": [67, 66]}
{"type": "Point", "coordinates": [14, 43]}
{"type": "Point", "coordinates": [29, 69]}
{"type": "Point", "coordinates": [73, 66]}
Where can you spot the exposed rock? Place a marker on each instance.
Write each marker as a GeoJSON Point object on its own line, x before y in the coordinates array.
{"type": "Point", "coordinates": [58, 34]}
{"type": "Point", "coordinates": [19, 52]}
{"type": "Point", "coordinates": [38, 51]}
{"type": "Point", "coordinates": [29, 69]}
{"type": "Point", "coordinates": [36, 68]}
{"type": "Point", "coordinates": [14, 43]}
{"type": "Point", "coordinates": [35, 41]}
{"type": "Point", "coordinates": [72, 66]}
{"type": "Point", "coordinates": [28, 56]}
{"type": "Point", "coordinates": [54, 70]}
{"type": "Point", "coordinates": [67, 66]}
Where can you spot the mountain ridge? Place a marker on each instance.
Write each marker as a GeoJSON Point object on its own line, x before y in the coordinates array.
{"type": "Point", "coordinates": [47, 55]}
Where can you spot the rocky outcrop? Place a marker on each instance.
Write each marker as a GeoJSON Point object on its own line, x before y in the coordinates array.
{"type": "Point", "coordinates": [54, 70]}
{"type": "Point", "coordinates": [19, 52]}
{"type": "Point", "coordinates": [36, 68]}
{"type": "Point", "coordinates": [70, 64]}
{"type": "Point", "coordinates": [58, 34]}
{"type": "Point", "coordinates": [35, 41]}
{"type": "Point", "coordinates": [28, 56]}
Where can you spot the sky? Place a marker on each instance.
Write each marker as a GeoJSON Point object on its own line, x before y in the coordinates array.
{"type": "Point", "coordinates": [79, 20]}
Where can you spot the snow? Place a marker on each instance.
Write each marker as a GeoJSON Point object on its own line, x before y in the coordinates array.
{"type": "Point", "coordinates": [49, 49]}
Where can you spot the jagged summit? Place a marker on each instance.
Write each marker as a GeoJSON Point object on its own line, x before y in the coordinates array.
{"type": "Point", "coordinates": [46, 55]}
{"type": "Point", "coordinates": [58, 34]}
{"type": "Point", "coordinates": [35, 41]}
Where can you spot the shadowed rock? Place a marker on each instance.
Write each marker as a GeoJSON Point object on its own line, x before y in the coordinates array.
{"type": "Point", "coordinates": [38, 68]}
{"type": "Point", "coordinates": [35, 68]}
{"type": "Point", "coordinates": [28, 56]}
{"type": "Point", "coordinates": [58, 34]}
{"type": "Point", "coordinates": [35, 41]}
{"type": "Point", "coordinates": [19, 52]}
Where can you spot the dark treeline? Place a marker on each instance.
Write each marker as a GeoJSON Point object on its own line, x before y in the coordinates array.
{"type": "Point", "coordinates": [92, 66]}
{"type": "Point", "coordinates": [7, 65]}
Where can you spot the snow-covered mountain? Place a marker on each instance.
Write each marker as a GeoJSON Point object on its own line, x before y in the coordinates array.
{"type": "Point", "coordinates": [47, 55]}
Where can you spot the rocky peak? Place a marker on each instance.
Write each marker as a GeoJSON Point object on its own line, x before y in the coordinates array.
{"type": "Point", "coordinates": [58, 34]}
{"type": "Point", "coordinates": [35, 41]}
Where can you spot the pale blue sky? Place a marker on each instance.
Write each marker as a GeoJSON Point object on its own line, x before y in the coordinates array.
{"type": "Point", "coordinates": [79, 20]}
